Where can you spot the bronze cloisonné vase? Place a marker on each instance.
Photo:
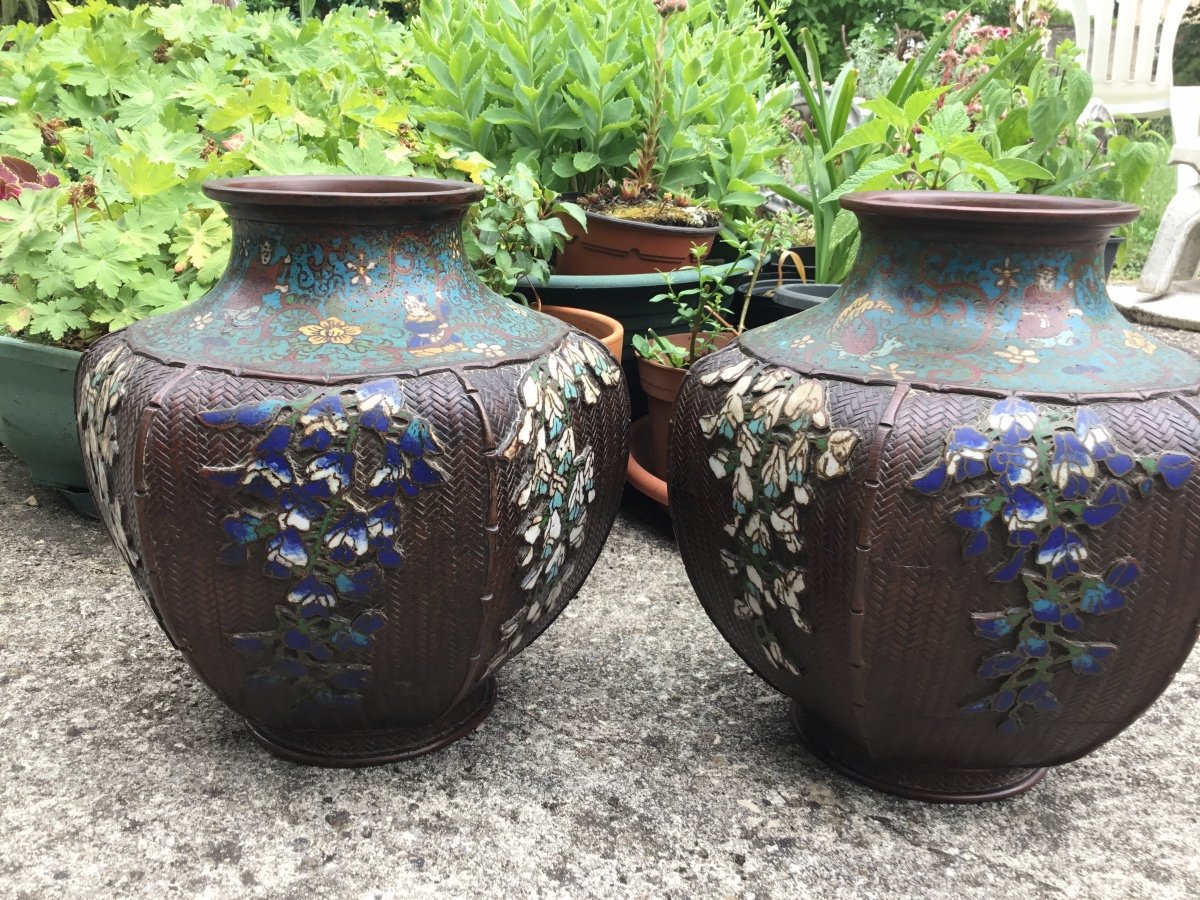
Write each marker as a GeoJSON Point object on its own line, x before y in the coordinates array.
{"type": "Point", "coordinates": [952, 512]}
{"type": "Point", "coordinates": [351, 482]}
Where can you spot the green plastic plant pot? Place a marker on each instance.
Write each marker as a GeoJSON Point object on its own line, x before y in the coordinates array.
{"type": "Point", "coordinates": [37, 415]}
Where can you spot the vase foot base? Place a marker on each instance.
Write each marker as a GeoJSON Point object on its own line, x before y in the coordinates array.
{"type": "Point", "coordinates": [929, 783]}
{"type": "Point", "coordinates": [374, 748]}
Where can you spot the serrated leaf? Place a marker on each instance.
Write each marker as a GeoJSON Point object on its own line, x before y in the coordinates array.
{"type": "Point", "coordinates": [871, 132]}
{"type": "Point", "coordinates": [142, 177]}
{"type": "Point", "coordinates": [585, 161]}
{"type": "Point", "coordinates": [949, 122]}
{"type": "Point", "coordinates": [918, 103]}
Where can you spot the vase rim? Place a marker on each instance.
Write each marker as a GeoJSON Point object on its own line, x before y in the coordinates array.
{"type": "Point", "coordinates": [992, 208]}
{"type": "Point", "coordinates": [342, 191]}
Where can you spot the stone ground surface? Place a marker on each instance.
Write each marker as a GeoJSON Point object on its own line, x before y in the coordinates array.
{"type": "Point", "coordinates": [631, 753]}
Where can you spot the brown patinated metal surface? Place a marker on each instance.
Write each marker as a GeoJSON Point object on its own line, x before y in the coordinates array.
{"type": "Point", "coordinates": [907, 512]}
{"type": "Point", "coordinates": [351, 482]}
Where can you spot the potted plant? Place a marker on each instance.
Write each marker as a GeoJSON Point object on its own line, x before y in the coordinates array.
{"type": "Point", "coordinates": [512, 234]}
{"type": "Point", "coordinates": [834, 160]}
{"type": "Point", "coordinates": [567, 89]}
{"type": "Point", "coordinates": [1000, 119]}
{"type": "Point", "coordinates": [702, 311]}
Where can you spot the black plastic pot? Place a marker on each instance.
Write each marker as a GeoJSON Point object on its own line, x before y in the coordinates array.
{"type": "Point", "coordinates": [810, 294]}
{"type": "Point", "coordinates": [770, 302]}
{"type": "Point", "coordinates": [1110, 254]}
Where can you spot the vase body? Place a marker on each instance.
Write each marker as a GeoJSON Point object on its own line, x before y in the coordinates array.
{"type": "Point", "coordinates": [951, 512]}
{"type": "Point", "coordinates": [350, 481]}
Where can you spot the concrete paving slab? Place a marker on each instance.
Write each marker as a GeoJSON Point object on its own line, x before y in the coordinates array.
{"type": "Point", "coordinates": [1178, 308]}
{"type": "Point", "coordinates": [630, 754]}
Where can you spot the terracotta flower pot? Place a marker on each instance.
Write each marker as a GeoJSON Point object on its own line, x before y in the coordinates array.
{"type": "Point", "coordinates": [605, 329]}
{"type": "Point", "coordinates": [351, 481]}
{"type": "Point", "coordinates": [613, 246]}
{"type": "Point", "coordinates": [951, 512]}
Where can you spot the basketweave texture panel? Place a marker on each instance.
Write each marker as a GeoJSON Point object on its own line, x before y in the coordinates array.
{"type": "Point", "coordinates": [897, 588]}
{"type": "Point", "coordinates": [486, 553]}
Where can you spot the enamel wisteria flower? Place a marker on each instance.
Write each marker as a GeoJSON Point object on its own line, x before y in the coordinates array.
{"type": "Point", "coordinates": [100, 398]}
{"type": "Point", "coordinates": [322, 524]}
{"type": "Point", "coordinates": [1051, 476]}
{"type": "Point", "coordinates": [772, 434]}
{"type": "Point", "coordinates": [559, 483]}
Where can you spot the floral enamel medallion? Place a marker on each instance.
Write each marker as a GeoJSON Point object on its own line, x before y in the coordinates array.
{"type": "Point", "coordinates": [327, 524]}
{"type": "Point", "coordinates": [1041, 479]}
{"type": "Point", "coordinates": [770, 438]}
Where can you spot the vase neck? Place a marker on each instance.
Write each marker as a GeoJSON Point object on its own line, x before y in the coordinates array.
{"type": "Point", "coordinates": [1001, 314]}
{"type": "Point", "coordinates": [1051, 282]}
{"type": "Point", "coordinates": [310, 263]}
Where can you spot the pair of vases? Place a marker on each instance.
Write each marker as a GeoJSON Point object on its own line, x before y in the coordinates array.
{"type": "Point", "coordinates": [950, 513]}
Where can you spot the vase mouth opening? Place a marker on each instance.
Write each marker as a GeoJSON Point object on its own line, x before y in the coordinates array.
{"type": "Point", "coordinates": [989, 209]}
{"type": "Point", "coordinates": [378, 192]}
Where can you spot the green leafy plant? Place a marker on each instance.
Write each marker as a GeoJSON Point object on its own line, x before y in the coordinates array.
{"type": "Point", "coordinates": [133, 109]}
{"type": "Point", "coordinates": [703, 309]}
{"type": "Point", "coordinates": [1004, 119]}
{"type": "Point", "coordinates": [515, 230]}
{"type": "Point", "coordinates": [836, 230]}
{"type": "Point", "coordinates": [566, 88]}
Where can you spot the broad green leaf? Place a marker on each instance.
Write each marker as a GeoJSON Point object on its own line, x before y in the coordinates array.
{"type": "Point", "coordinates": [142, 177]}
{"type": "Point", "coordinates": [869, 133]}
{"type": "Point", "coordinates": [918, 103]}
{"type": "Point", "coordinates": [1014, 168]}
{"type": "Point", "coordinates": [890, 113]}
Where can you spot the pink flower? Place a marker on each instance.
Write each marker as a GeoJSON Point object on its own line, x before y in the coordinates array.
{"type": "Point", "coordinates": [1003, 33]}
{"type": "Point", "coordinates": [234, 141]}
{"type": "Point", "coordinates": [950, 16]}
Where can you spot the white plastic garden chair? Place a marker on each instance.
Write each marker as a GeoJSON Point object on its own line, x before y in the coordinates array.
{"type": "Point", "coordinates": [1128, 51]}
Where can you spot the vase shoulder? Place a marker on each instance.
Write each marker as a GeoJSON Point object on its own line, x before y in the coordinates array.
{"type": "Point", "coordinates": [340, 302]}
{"type": "Point", "coordinates": [979, 317]}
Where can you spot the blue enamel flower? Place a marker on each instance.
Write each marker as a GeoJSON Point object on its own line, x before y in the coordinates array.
{"type": "Point", "coordinates": [378, 402]}
{"type": "Point", "coordinates": [995, 625]}
{"type": "Point", "coordinates": [1023, 511]}
{"type": "Point", "coordinates": [389, 474]}
{"type": "Point", "coordinates": [1063, 551]}
{"type": "Point", "coordinates": [302, 506]}
{"type": "Point", "coordinates": [966, 453]}
{"type": "Point", "coordinates": [1038, 696]}
{"type": "Point", "coordinates": [330, 473]}
{"type": "Point", "coordinates": [1113, 498]}
{"type": "Point", "coordinates": [312, 595]}
{"type": "Point", "coordinates": [1175, 469]}
{"type": "Point", "coordinates": [347, 538]}
{"type": "Point", "coordinates": [285, 551]}
{"type": "Point", "coordinates": [383, 526]}
{"type": "Point", "coordinates": [255, 415]}
{"type": "Point", "coordinates": [267, 475]}
{"type": "Point", "coordinates": [1101, 600]}
{"type": "Point", "coordinates": [357, 584]}
{"type": "Point", "coordinates": [973, 513]}
{"type": "Point", "coordinates": [242, 528]}
{"type": "Point", "coordinates": [1014, 418]}
{"type": "Point", "coordinates": [322, 422]}
{"type": "Point", "coordinates": [1089, 661]}
{"type": "Point", "coordinates": [1072, 466]}
{"type": "Point", "coordinates": [1014, 463]}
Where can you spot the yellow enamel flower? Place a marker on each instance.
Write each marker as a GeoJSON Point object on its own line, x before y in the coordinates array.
{"type": "Point", "coordinates": [330, 331]}
{"type": "Point", "coordinates": [1006, 274]}
{"type": "Point", "coordinates": [1138, 341]}
{"type": "Point", "coordinates": [1018, 356]}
